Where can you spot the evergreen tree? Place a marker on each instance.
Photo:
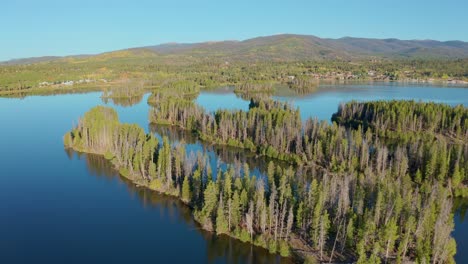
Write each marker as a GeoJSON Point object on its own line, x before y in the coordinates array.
{"type": "Point", "coordinates": [186, 193]}
{"type": "Point", "coordinates": [221, 221]}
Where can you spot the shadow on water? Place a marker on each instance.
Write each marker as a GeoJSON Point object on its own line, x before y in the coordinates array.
{"type": "Point", "coordinates": [219, 248]}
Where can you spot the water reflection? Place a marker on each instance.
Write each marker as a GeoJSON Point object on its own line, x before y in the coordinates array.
{"type": "Point", "coordinates": [461, 206]}
{"type": "Point", "coordinates": [324, 99]}
{"type": "Point", "coordinates": [321, 103]}
{"type": "Point", "coordinates": [219, 156]}
{"type": "Point", "coordinates": [49, 92]}
{"type": "Point", "coordinates": [219, 248]}
{"type": "Point", "coordinates": [123, 101]}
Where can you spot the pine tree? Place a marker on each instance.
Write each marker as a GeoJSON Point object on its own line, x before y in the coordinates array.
{"type": "Point", "coordinates": [244, 199]}
{"type": "Point", "coordinates": [323, 233]}
{"type": "Point", "coordinates": [186, 193]}
{"type": "Point", "coordinates": [210, 201]}
{"type": "Point", "coordinates": [249, 218]}
{"type": "Point", "coordinates": [456, 176]}
{"type": "Point", "coordinates": [350, 232]}
{"type": "Point", "coordinates": [389, 236]}
{"type": "Point", "coordinates": [235, 210]}
{"type": "Point", "coordinates": [299, 217]}
{"type": "Point", "coordinates": [221, 221]}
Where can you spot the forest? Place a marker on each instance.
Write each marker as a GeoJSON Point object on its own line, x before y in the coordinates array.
{"type": "Point", "coordinates": [351, 192]}
{"type": "Point", "coordinates": [144, 68]}
{"type": "Point", "coordinates": [403, 119]}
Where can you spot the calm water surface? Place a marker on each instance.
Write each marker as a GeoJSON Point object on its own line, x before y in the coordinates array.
{"type": "Point", "coordinates": [325, 100]}
{"type": "Point", "coordinates": [58, 206]}
{"type": "Point", "coordinates": [61, 207]}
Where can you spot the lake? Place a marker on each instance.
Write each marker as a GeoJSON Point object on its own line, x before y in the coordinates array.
{"type": "Point", "coordinates": [59, 206]}
{"type": "Point", "coordinates": [325, 100]}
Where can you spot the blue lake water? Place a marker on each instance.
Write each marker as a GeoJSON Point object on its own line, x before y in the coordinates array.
{"type": "Point", "coordinates": [325, 100]}
{"type": "Point", "coordinates": [61, 207]}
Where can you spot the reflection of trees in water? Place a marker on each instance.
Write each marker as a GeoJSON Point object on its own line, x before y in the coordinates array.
{"type": "Point", "coordinates": [50, 91]}
{"type": "Point", "coordinates": [254, 96]}
{"type": "Point", "coordinates": [69, 153]}
{"type": "Point", "coordinates": [96, 165]}
{"type": "Point", "coordinates": [461, 206]}
{"type": "Point", "coordinates": [174, 134]}
{"type": "Point", "coordinates": [223, 155]}
{"type": "Point", "coordinates": [226, 154]}
{"type": "Point", "coordinates": [219, 156]}
{"type": "Point", "coordinates": [218, 247]}
{"type": "Point", "coordinates": [236, 251]}
{"type": "Point", "coordinates": [123, 101]}
{"type": "Point", "coordinates": [99, 166]}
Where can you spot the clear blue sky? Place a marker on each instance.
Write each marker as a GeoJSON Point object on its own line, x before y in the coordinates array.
{"type": "Point", "coordinates": [52, 27]}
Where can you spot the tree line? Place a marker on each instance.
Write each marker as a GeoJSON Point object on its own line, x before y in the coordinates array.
{"type": "Point", "coordinates": [403, 117]}
{"type": "Point", "coordinates": [257, 87]}
{"type": "Point", "coordinates": [175, 90]}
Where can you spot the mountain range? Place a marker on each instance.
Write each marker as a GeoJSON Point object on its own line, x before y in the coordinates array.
{"type": "Point", "coordinates": [289, 47]}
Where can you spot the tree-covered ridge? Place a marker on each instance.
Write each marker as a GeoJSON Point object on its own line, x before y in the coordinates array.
{"type": "Point", "coordinates": [372, 203]}
{"type": "Point", "coordinates": [406, 117]}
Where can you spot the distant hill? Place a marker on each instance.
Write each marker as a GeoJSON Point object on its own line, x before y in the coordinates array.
{"type": "Point", "coordinates": [293, 47]}
{"type": "Point", "coordinates": [29, 60]}
{"type": "Point", "coordinates": [33, 60]}
{"type": "Point", "coordinates": [288, 47]}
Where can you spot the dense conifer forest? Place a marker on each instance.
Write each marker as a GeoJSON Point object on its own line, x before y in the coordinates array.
{"type": "Point", "coordinates": [351, 191]}
{"type": "Point", "coordinates": [407, 119]}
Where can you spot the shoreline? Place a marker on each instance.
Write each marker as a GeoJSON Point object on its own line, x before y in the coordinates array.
{"type": "Point", "coordinates": [326, 81]}
{"type": "Point", "coordinates": [299, 251]}
{"type": "Point", "coordinates": [132, 153]}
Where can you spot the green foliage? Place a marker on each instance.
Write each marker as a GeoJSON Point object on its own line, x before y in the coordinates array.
{"type": "Point", "coordinates": [186, 193]}
{"type": "Point", "coordinates": [210, 201]}
{"type": "Point", "coordinates": [222, 226]}
{"type": "Point", "coordinates": [284, 249]}
{"type": "Point", "coordinates": [128, 73]}
{"type": "Point", "coordinates": [156, 184]}
{"type": "Point", "coordinates": [374, 197]}
{"type": "Point", "coordinates": [397, 119]}
{"type": "Point", "coordinates": [239, 128]}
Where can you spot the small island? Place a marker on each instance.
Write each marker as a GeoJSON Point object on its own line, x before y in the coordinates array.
{"type": "Point", "coordinates": [376, 185]}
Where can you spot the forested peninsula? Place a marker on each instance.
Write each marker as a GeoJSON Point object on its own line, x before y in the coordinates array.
{"type": "Point", "coordinates": [377, 185]}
